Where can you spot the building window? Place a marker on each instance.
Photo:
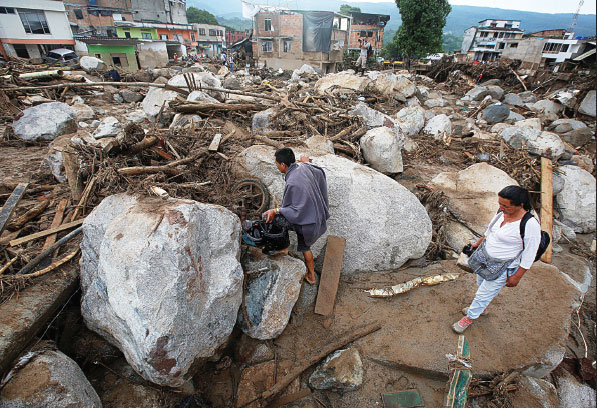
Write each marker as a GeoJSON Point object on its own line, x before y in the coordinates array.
{"type": "Point", "coordinates": [193, 36]}
{"type": "Point", "coordinates": [34, 21]}
{"type": "Point", "coordinates": [7, 10]}
{"type": "Point", "coordinates": [501, 35]}
{"type": "Point", "coordinates": [502, 45]}
{"type": "Point", "coordinates": [78, 13]}
{"type": "Point", "coordinates": [116, 61]}
{"type": "Point", "coordinates": [564, 48]}
{"type": "Point", "coordinates": [514, 45]}
{"type": "Point", "coordinates": [127, 34]}
{"type": "Point", "coordinates": [164, 37]}
{"type": "Point", "coordinates": [268, 24]}
{"type": "Point", "coordinates": [287, 44]}
{"type": "Point", "coordinates": [495, 35]}
{"type": "Point", "coordinates": [363, 34]}
{"type": "Point", "coordinates": [146, 36]}
{"type": "Point", "coordinates": [220, 33]}
{"type": "Point", "coordinates": [202, 31]}
{"type": "Point", "coordinates": [212, 33]}
{"type": "Point", "coordinates": [267, 46]}
{"type": "Point", "coordinates": [98, 56]}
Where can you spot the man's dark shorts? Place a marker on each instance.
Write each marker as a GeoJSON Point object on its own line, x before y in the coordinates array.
{"type": "Point", "coordinates": [301, 246]}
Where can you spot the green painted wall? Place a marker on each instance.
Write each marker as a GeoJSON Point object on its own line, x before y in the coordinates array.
{"type": "Point", "coordinates": [136, 32]}
{"type": "Point", "coordinates": [108, 51]}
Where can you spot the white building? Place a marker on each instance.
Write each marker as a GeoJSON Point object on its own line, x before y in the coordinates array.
{"type": "Point", "coordinates": [211, 38]}
{"type": "Point", "coordinates": [28, 29]}
{"type": "Point", "coordinates": [486, 41]}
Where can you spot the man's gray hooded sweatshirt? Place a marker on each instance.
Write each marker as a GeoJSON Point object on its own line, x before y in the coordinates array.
{"type": "Point", "coordinates": [305, 201]}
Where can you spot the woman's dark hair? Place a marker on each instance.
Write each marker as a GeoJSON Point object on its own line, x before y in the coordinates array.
{"type": "Point", "coordinates": [285, 155]}
{"type": "Point", "coordinates": [517, 196]}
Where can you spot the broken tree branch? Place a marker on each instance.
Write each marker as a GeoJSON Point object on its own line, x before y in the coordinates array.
{"type": "Point", "coordinates": [266, 140]}
{"type": "Point", "coordinates": [11, 204]}
{"type": "Point", "coordinates": [29, 215]}
{"type": "Point", "coordinates": [169, 168]}
{"type": "Point", "coordinates": [45, 233]}
{"type": "Point", "coordinates": [519, 79]}
{"type": "Point", "coordinates": [29, 267]}
{"type": "Point", "coordinates": [208, 108]}
{"type": "Point", "coordinates": [48, 269]}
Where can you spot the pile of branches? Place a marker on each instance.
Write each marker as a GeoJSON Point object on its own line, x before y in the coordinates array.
{"type": "Point", "coordinates": [503, 69]}
{"type": "Point", "coordinates": [495, 391]}
{"type": "Point", "coordinates": [436, 204]}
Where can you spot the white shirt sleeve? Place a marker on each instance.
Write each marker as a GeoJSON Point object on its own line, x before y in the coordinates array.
{"type": "Point", "coordinates": [493, 221]}
{"type": "Point", "coordinates": [532, 239]}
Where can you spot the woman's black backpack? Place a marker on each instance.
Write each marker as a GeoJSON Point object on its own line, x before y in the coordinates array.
{"type": "Point", "coordinates": [545, 238]}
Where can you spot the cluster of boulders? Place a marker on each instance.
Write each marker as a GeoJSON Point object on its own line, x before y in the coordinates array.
{"type": "Point", "coordinates": [162, 279]}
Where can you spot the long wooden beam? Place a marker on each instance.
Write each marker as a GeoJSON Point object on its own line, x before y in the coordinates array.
{"type": "Point", "coordinates": [547, 204]}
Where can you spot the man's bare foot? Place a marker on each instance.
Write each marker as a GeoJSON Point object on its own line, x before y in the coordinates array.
{"type": "Point", "coordinates": [310, 278]}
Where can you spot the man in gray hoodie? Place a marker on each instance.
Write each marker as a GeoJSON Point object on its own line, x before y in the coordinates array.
{"type": "Point", "coordinates": [305, 203]}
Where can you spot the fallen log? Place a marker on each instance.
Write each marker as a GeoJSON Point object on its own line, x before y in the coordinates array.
{"type": "Point", "coordinates": [326, 349]}
{"type": "Point", "coordinates": [266, 140]}
{"type": "Point", "coordinates": [84, 197]}
{"type": "Point", "coordinates": [356, 135]}
{"type": "Point", "coordinates": [11, 204]}
{"type": "Point", "coordinates": [169, 168]}
{"type": "Point", "coordinates": [40, 75]}
{"type": "Point", "coordinates": [344, 132]}
{"type": "Point", "coordinates": [208, 108]}
{"type": "Point", "coordinates": [95, 84]}
{"type": "Point", "coordinates": [45, 270]}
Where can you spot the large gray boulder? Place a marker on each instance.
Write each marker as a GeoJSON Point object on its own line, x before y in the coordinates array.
{"type": "Point", "coordinates": [161, 281]}
{"type": "Point", "coordinates": [588, 104]}
{"type": "Point", "coordinates": [576, 201]}
{"type": "Point", "coordinates": [201, 79]}
{"type": "Point", "coordinates": [572, 393]}
{"type": "Point", "coordinates": [373, 118]}
{"type": "Point", "coordinates": [411, 120]}
{"type": "Point", "coordinates": [473, 199]}
{"type": "Point", "coordinates": [45, 122]}
{"type": "Point", "coordinates": [391, 85]}
{"type": "Point", "coordinates": [438, 126]}
{"type": "Point", "coordinates": [271, 295]}
{"type": "Point", "coordinates": [534, 393]}
{"type": "Point", "coordinates": [90, 64]}
{"type": "Point", "coordinates": [49, 379]}
{"type": "Point", "coordinates": [381, 149]}
{"type": "Point", "coordinates": [232, 82]}
{"type": "Point", "coordinates": [341, 371]}
{"type": "Point", "coordinates": [155, 99]}
{"type": "Point", "coordinates": [496, 113]}
{"type": "Point", "coordinates": [130, 96]}
{"type": "Point", "coordinates": [383, 223]}
{"type": "Point", "coordinates": [261, 121]}
{"type": "Point", "coordinates": [341, 83]}
{"type": "Point", "coordinates": [537, 142]}
{"type": "Point", "coordinates": [547, 106]}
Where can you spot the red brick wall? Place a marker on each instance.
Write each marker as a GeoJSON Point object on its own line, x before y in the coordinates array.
{"type": "Point", "coordinates": [355, 34]}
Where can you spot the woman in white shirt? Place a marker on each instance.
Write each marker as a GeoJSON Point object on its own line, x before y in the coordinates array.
{"type": "Point", "coordinates": [503, 241]}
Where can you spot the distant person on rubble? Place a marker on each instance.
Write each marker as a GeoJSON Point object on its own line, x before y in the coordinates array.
{"type": "Point", "coordinates": [364, 51]}
{"type": "Point", "coordinates": [503, 255]}
{"type": "Point", "coordinates": [304, 205]}
{"type": "Point", "coordinates": [231, 62]}
{"type": "Point", "coordinates": [113, 74]}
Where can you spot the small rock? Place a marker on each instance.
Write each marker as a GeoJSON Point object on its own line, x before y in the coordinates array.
{"type": "Point", "coordinates": [45, 122]}
{"type": "Point", "coordinates": [476, 94]}
{"type": "Point", "coordinates": [372, 117]}
{"type": "Point", "coordinates": [77, 99]}
{"type": "Point", "coordinates": [438, 126]}
{"type": "Point", "coordinates": [578, 137]}
{"type": "Point", "coordinates": [584, 162]}
{"type": "Point", "coordinates": [83, 112]}
{"type": "Point", "coordinates": [201, 78]}
{"type": "Point", "coordinates": [94, 123]}
{"type": "Point", "coordinates": [514, 117]}
{"type": "Point", "coordinates": [411, 120]}
{"type": "Point", "coordinates": [490, 82]}
{"type": "Point", "coordinates": [130, 96]}
{"type": "Point", "coordinates": [513, 99]}
{"type": "Point", "coordinates": [566, 231]}
{"type": "Point", "coordinates": [118, 98]}
{"type": "Point", "coordinates": [341, 82]}
{"type": "Point", "coordinates": [318, 143]}
{"type": "Point", "coordinates": [381, 149]}
{"type": "Point", "coordinates": [249, 351]}
{"type": "Point", "coordinates": [496, 92]}
{"type": "Point", "coordinates": [588, 104]}
{"type": "Point", "coordinates": [108, 127]}
{"type": "Point", "coordinates": [184, 119]}
{"type": "Point", "coordinates": [201, 96]}
{"type": "Point", "coordinates": [223, 71]}
{"type": "Point", "coordinates": [261, 122]}
{"type": "Point", "coordinates": [533, 123]}
{"type": "Point", "coordinates": [155, 99]}
{"type": "Point", "coordinates": [342, 370]}
{"type": "Point", "coordinates": [435, 103]}
{"type": "Point", "coordinates": [566, 125]}
{"type": "Point", "coordinates": [528, 97]}
{"type": "Point", "coordinates": [83, 125]}
{"type": "Point", "coordinates": [136, 116]}
{"type": "Point", "coordinates": [548, 106]}
{"type": "Point", "coordinates": [232, 83]}
{"type": "Point", "coordinates": [254, 381]}
{"type": "Point", "coordinates": [495, 113]}
{"type": "Point", "coordinates": [537, 142]}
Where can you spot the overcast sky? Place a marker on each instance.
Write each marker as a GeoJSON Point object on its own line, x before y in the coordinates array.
{"type": "Point", "coordinates": [541, 6]}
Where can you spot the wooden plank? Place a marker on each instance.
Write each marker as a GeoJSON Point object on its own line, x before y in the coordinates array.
{"type": "Point", "coordinates": [55, 223]}
{"type": "Point", "coordinates": [330, 275]}
{"type": "Point", "coordinates": [547, 204]}
{"type": "Point", "coordinates": [47, 232]}
{"type": "Point", "coordinates": [215, 143]}
{"type": "Point", "coordinates": [11, 204]}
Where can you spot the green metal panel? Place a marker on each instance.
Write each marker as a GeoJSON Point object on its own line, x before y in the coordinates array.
{"type": "Point", "coordinates": [402, 399]}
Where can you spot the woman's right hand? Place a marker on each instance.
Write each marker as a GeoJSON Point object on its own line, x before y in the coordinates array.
{"type": "Point", "coordinates": [476, 244]}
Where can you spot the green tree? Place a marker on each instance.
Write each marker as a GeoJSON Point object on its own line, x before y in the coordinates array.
{"type": "Point", "coordinates": [347, 9]}
{"type": "Point", "coordinates": [195, 15]}
{"type": "Point", "coordinates": [422, 25]}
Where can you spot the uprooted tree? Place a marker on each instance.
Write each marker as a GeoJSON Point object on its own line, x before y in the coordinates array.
{"type": "Point", "coordinates": [422, 24]}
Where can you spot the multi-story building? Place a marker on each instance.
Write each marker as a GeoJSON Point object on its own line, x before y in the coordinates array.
{"type": "Point", "coordinates": [162, 11]}
{"type": "Point", "coordinates": [368, 26]}
{"type": "Point", "coordinates": [234, 36]}
{"type": "Point", "coordinates": [545, 48]}
{"type": "Point", "coordinates": [211, 38]}
{"type": "Point", "coordinates": [180, 38]}
{"type": "Point", "coordinates": [96, 18]}
{"type": "Point", "coordinates": [487, 40]}
{"type": "Point", "coordinates": [29, 29]}
{"type": "Point", "coordinates": [290, 38]}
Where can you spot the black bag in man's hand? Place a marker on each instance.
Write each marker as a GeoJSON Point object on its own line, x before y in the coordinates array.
{"type": "Point", "coordinates": [271, 236]}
